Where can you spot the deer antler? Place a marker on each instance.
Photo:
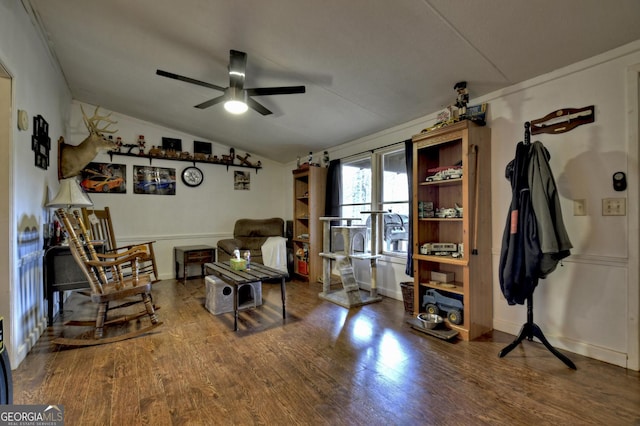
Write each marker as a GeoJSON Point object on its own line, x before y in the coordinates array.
{"type": "Point", "coordinates": [92, 123]}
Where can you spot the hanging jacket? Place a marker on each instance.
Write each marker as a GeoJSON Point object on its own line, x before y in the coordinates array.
{"type": "Point", "coordinates": [554, 241]}
{"type": "Point", "coordinates": [535, 238]}
{"type": "Point", "coordinates": [520, 254]}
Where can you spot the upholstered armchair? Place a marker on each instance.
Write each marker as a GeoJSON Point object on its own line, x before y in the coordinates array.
{"type": "Point", "coordinates": [250, 234]}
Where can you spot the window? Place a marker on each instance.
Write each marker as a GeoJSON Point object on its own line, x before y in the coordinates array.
{"type": "Point", "coordinates": [378, 181]}
{"type": "Point", "coordinates": [395, 198]}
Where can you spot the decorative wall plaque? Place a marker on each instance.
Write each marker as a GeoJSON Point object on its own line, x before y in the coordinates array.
{"type": "Point", "coordinates": [40, 142]}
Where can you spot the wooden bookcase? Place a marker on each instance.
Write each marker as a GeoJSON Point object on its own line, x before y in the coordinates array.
{"type": "Point", "coordinates": [309, 186]}
{"type": "Point", "coordinates": [467, 145]}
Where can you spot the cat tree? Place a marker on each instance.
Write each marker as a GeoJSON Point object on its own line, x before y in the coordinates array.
{"type": "Point", "coordinates": [350, 235]}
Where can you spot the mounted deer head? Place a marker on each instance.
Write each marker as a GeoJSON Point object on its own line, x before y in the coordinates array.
{"type": "Point", "coordinates": [74, 158]}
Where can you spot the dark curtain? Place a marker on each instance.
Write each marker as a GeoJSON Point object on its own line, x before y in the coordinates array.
{"type": "Point", "coordinates": [408, 153]}
{"type": "Point", "coordinates": [334, 183]}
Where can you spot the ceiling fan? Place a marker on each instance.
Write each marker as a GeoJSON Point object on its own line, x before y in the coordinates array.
{"type": "Point", "coordinates": [236, 98]}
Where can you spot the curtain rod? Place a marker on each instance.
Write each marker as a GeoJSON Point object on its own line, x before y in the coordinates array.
{"type": "Point", "coordinates": [374, 149]}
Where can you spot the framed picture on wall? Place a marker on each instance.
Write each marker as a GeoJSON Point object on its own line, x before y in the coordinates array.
{"type": "Point", "coordinates": [154, 180]}
{"type": "Point", "coordinates": [202, 147]}
{"type": "Point", "coordinates": [40, 142]}
{"type": "Point", "coordinates": [172, 144]}
{"type": "Point", "coordinates": [241, 181]}
{"type": "Point", "coordinates": [105, 178]}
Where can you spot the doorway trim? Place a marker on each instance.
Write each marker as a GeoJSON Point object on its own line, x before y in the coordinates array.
{"type": "Point", "coordinates": [633, 157]}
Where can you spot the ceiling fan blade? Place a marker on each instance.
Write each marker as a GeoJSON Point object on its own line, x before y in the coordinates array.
{"type": "Point", "coordinates": [189, 80]}
{"type": "Point", "coordinates": [286, 90]}
{"type": "Point", "coordinates": [211, 102]}
{"type": "Point", "coordinates": [258, 107]}
{"type": "Point", "coordinates": [237, 69]}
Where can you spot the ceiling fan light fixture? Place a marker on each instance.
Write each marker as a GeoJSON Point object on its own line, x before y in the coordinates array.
{"type": "Point", "coordinates": [237, 102]}
{"type": "Point", "coordinates": [235, 107]}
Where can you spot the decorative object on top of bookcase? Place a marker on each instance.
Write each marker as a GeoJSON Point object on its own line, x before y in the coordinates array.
{"type": "Point", "coordinates": [459, 111]}
{"type": "Point", "coordinates": [442, 234]}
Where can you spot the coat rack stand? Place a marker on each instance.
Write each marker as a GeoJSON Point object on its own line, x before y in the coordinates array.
{"type": "Point", "coordinates": [530, 329]}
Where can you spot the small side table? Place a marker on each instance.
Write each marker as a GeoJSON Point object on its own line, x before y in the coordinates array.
{"type": "Point", "coordinates": [188, 255]}
{"type": "Point", "coordinates": [62, 273]}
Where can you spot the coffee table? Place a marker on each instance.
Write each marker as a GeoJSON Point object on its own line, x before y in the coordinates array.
{"type": "Point", "coordinates": [256, 272]}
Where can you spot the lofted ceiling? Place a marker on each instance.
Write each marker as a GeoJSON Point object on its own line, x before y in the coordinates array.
{"type": "Point", "coordinates": [367, 65]}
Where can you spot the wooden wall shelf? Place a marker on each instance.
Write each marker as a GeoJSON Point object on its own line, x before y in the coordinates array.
{"type": "Point", "coordinates": [184, 160]}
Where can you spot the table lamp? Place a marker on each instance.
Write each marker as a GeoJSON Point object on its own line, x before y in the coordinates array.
{"type": "Point", "coordinates": [70, 194]}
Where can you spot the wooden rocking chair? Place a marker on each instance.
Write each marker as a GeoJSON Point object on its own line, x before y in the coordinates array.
{"type": "Point", "coordinates": [108, 284]}
{"type": "Point", "coordinates": [101, 229]}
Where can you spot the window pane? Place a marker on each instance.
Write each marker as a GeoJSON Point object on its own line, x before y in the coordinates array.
{"type": "Point", "coordinates": [395, 198]}
{"type": "Point", "coordinates": [396, 228]}
{"type": "Point", "coordinates": [354, 211]}
{"type": "Point", "coordinates": [357, 190]}
{"type": "Point", "coordinates": [394, 180]}
{"type": "Point", "coordinates": [356, 182]}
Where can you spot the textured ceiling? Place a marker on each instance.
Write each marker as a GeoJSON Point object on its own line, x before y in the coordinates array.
{"type": "Point", "coordinates": [367, 66]}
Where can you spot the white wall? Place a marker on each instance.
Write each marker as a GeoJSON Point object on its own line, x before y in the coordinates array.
{"type": "Point", "coordinates": [38, 88]}
{"type": "Point", "coordinates": [200, 215]}
{"type": "Point", "coordinates": [583, 306]}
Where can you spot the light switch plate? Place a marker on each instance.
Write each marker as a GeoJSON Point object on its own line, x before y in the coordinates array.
{"type": "Point", "coordinates": [614, 207]}
{"type": "Point", "coordinates": [580, 207]}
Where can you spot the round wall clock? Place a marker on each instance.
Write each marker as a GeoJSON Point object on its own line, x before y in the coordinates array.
{"type": "Point", "coordinates": [192, 176]}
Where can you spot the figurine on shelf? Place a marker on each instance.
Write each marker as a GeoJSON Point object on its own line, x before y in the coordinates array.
{"type": "Point", "coordinates": [463, 98]}
{"type": "Point", "coordinates": [200, 156]}
{"type": "Point", "coordinates": [141, 144]}
{"type": "Point", "coordinates": [232, 155]}
{"type": "Point", "coordinates": [118, 144]}
{"type": "Point", "coordinates": [155, 152]}
{"type": "Point", "coordinates": [244, 160]}
{"type": "Point", "coordinates": [325, 159]}
{"type": "Point", "coordinates": [171, 154]}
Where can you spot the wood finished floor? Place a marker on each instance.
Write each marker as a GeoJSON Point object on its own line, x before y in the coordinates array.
{"type": "Point", "coordinates": [325, 365]}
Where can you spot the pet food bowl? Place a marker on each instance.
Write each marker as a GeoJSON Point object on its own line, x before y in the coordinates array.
{"type": "Point", "coordinates": [429, 321]}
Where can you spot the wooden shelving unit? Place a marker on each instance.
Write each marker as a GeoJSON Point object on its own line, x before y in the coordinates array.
{"type": "Point", "coordinates": [309, 186]}
{"type": "Point", "coordinates": [467, 144]}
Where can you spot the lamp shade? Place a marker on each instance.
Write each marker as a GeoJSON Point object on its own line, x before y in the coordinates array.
{"type": "Point", "coordinates": [70, 194]}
